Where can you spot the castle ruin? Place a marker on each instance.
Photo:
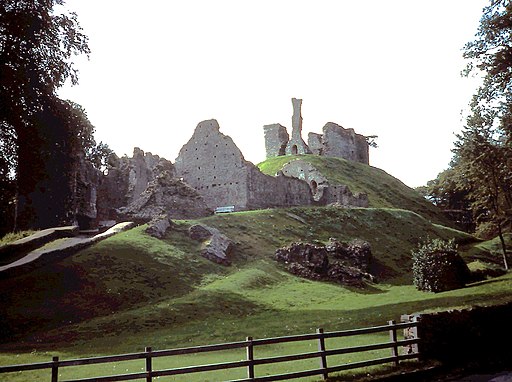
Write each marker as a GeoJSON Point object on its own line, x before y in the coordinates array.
{"type": "Point", "coordinates": [335, 141]}
{"type": "Point", "coordinates": [210, 174]}
{"type": "Point", "coordinates": [212, 164]}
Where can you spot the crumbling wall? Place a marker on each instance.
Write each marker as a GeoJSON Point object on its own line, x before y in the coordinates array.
{"type": "Point", "coordinates": [296, 145]}
{"type": "Point", "coordinates": [334, 142]}
{"type": "Point", "coordinates": [267, 191]}
{"type": "Point", "coordinates": [323, 192]}
{"type": "Point", "coordinates": [166, 195]}
{"type": "Point", "coordinates": [307, 172]}
{"type": "Point", "coordinates": [344, 143]}
{"type": "Point", "coordinates": [86, 183]}
{"type": "Point", "coordinates": [127, 179]}
{"type": "Point", "coordinates": [211, 163]}
{"type": "Point", "coordinates": [315, 143]}
{"type": "Point", "coordinates": [341, 194]}
{"type": "Point", "coordinates": [276, 140]}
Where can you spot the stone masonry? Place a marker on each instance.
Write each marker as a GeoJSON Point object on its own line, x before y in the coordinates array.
{"type": "Point", "coordinates": [211, 172]}
{"type": "Point", "coordinates": [335, 141]}
{"type": "Point", "coordinates": [323, 192]}
{"type": "Point", "coordinates": [212, 164]}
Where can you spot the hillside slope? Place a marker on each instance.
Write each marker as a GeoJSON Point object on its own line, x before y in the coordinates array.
{"type": "Point", "coordinates": [133, 283]}
{"type": "Point", "coordinates": [384, 190]}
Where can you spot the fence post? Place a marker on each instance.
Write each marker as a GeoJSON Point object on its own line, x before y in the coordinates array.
{"type": "Point", "coordinates": [250, 358]}
{"type": "Point", "coordinates": [321, 349]}
{"type": "Point", "coordinates": [149, 364]}
{"type": "Point", "coordinates": [393, 338]}
{"type": "Point", "coordinates": [411, 333]}
{"type": "Point", "coordinates": [55, 369]}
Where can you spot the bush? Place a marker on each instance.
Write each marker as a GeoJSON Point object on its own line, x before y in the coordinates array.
{"type": "Point", "coordinates": [437, 267]}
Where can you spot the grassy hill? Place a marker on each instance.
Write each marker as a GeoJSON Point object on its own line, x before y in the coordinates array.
{"type": "Point", "coordinates": [384, 190]}
{"type": "Point", "coordinates": [133, 283]}
{"type": "Point", "coordinates": [133, 290]}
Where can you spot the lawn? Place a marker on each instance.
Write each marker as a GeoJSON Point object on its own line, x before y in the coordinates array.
{"type": "Point", "coordinates": [132, 291]}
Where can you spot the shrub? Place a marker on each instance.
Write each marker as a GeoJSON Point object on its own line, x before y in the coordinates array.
{"type": "Point", "coordinates": [437, 267]}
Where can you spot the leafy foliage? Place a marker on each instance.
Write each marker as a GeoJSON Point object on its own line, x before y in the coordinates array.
{"type": "Point", "coordinates": [491, 54]}
{"type": "Point", "coordinates": [36, 47]}
{"type": "Point", "coordinates": [437, 267]}
{"type": "Point", "coordinates": [480, 175]}
{"type": "Point", "coordinates": [96, 153]}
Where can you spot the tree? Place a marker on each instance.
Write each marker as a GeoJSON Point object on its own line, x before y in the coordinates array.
{"type": "Point", "coordinates": [485, 163]}
{"type": "Point", "coordinates": [450, 192]}
{"type": "Point", "coordinates": [490, 54]}
{"type": "Point", "coordinates": [483, 151]}
{"type": "Point", "coordinates": [36, 47]}
{"type": "Point", "coordinates": [98, 154]}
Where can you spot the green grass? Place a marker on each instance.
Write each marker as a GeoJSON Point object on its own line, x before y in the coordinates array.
{"type": "Point", "coordinates": [288, 313]}
{"type": "Point", "coordinates": [132, 290]}
{"type": "Point", "coordinates": [384, 190]}
{"type": "Point", "coordinates": [13, 236]}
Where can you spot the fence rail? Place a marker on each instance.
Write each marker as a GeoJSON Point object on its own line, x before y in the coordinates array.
{"type": "Point", "coordinates": [250, 362]}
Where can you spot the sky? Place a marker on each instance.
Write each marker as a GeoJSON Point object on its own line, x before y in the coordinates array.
{"type": "Point", "coordinates": [388, 68]}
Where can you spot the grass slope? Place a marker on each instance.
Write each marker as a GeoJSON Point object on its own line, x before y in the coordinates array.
{"type": "Point", "coordinates": [115, 281]}
{"type": "Point", "coordinates": [384, 190]}
{"type": "Point", "coordinates": [132, 290]}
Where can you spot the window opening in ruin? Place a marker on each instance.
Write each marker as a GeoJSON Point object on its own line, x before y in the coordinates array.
{"type": "Point", "coordinates": [294, 150]}
{"type": "Point", "coordinates": [314, 187]}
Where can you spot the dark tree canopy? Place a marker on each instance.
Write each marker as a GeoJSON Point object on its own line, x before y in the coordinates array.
{"type": "Point", "coordinates": [36, 48]}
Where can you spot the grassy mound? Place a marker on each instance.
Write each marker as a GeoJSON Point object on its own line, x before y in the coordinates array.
{"type": "Point", "coordinates": [384, 190]}
{"type": "Point", "coordinates": [132, 290]}
{"type": "Point", "coordinates": [133, 282]}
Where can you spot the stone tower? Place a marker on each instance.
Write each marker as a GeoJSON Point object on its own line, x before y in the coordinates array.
{"type": "Point", "coordinates": [296, 145]}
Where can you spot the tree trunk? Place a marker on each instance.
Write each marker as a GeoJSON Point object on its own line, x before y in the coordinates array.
{"type": "Point", "coordinates": [503, 247]}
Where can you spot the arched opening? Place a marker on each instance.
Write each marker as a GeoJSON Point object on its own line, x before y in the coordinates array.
{"type": "Point", "coordinates": [314, 187]}
{"type": "Point", "coordinates": [294, 150]}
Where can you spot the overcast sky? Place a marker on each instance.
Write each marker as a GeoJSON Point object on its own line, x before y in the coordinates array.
{"type": "Point", "coordinates": [387, 68]}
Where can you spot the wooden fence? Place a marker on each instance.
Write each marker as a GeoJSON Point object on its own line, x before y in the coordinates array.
{"type": "Point", "coordinates": [250, 344]}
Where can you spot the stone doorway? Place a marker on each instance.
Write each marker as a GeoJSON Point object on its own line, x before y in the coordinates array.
{"type": "Point", "coordinates": [294, 150]}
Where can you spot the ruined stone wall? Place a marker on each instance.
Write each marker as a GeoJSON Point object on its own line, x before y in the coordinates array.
{"type": "Point", "coordinates": [362, 150]}
{"type": "Point", "coordinates": [341, 194]}
{"type": "Point", "coordinates": [323, 193]}
{"type": "Point", "coordinates": [276, 139]}
{"type": "Point", "coordinates": [334, 142]}
{"type": "Point", "coordinates": [296, 145]}
{"type": "Point", "coordinates": [211, 163]}
{"type": "Point", "coordinates": [307, 172]}
{"type": "Point", "coordinates": [86, 183]}
{"type": "Point", "coordinates": [126, 180]}
{"type": "Point", "coordinates": [266, 191]}
{"type": "Point", "coordinates": [344, 143]}
{"type": "Point", "coordinates": [315, 143]}
{"type": "Point", "coordinates": [140, 171]}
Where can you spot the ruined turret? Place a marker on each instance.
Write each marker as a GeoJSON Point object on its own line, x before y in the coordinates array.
{"type": "Point", "coordinates": [334, 142]}
{"type": "Point", "coordinates": [296, 145]}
